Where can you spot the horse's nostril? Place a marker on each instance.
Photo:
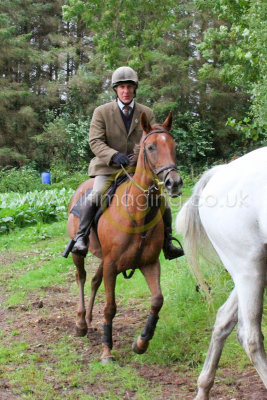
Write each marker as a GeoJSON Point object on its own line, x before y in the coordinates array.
{"type": "Point", "coordinates": [168, 184]}
{"type": "Point", "coordinates": [173, 186]}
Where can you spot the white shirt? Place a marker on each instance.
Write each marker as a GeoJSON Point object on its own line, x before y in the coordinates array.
{"type": "Point", "coordinates": [121, 105]}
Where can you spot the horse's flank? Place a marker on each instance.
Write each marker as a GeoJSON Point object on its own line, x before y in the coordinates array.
{"type": "Point", "coordinates": [228, 208]}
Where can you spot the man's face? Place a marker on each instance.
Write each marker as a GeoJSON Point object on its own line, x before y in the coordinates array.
{"type": "Point", "coordinates": [125, 92]}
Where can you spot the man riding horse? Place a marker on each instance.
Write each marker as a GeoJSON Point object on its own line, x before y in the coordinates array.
{"type": "Point", "coordinates": [114, 131]}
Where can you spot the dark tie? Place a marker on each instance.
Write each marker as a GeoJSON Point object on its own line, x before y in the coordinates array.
{"type": "Point", "coordinates": [127, 110]}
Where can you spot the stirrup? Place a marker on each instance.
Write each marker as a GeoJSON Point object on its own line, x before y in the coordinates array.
{"type": "Point", "coordinates": [170, 251]}
{"type": "Point", "coordinates": [178, 241]}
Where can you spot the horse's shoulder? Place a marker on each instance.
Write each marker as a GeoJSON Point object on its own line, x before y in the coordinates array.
{"type": "Point", "coordinates": [79, 192]}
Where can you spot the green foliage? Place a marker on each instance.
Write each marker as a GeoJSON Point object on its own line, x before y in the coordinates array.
{"type": "Point", "coordinates": [8, 157]}
{"type": "Point", "coordinates": [39, 206]}
{"type": "Point", "coordinates": [117, 36]}
{"type": "Point", "coordinates": [195, 142]}
{"type": "Point", "coordinates": [39, 53]}
{"type": "Point", "coordinates": [157, 42]}
{"type": "Point", "coordinates": [64, 138]}
{"type": "Point", "coordinates": [250, 130]}
{"type": "Point", "coordinates": [68, 179]}
{"type": "Point", "coordinates": [200, 58]}
{"type": "Point", "coordinates": [21, 180]}
{"type": "Point", "coordinates": [235, 52]}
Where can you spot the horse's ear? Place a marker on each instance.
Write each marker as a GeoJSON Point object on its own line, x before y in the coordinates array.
{"type": "Point", "coordinates": [168, 122]}
{"type": "Point", "coordinates": [145, 123]}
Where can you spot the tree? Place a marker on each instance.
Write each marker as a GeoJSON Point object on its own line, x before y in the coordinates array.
{"type": "Point", "coordinates": [160, 42]}
{"type": "Point", "coordinates": [61, 66]}
{"type": "Point", "coordinates": [40, 53]}
{"type": "Point", "coordinates": [235, 53]}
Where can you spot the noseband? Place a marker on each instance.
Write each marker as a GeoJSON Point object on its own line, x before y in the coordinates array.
{"type": "Point", "coordinates": [171, 167]}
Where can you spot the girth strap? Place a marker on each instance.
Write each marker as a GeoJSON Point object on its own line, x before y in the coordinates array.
{"type": "Point", "coordinates": [137, 257]}
{"type": "Point", "coordinates": [124, 273]}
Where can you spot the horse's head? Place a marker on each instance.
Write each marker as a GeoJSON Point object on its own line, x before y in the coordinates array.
{"type": "Point", "coordinates": [159, 149]}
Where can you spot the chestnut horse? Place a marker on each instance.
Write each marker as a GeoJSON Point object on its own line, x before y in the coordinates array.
{"type": "Point", "coordinates": [130, 233]}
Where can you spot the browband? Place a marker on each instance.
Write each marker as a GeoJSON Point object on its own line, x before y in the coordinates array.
{"type": "Point", "coordinates": [156, 131]}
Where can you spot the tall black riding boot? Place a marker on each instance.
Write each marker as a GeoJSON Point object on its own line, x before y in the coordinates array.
{"type": "Point", "coordinates": [169, 250]}
{"type": "Point", "coordinates": [87, 216]}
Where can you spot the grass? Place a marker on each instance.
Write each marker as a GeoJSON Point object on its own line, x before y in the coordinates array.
{"type": "Point", "coordinates": [40, 358]}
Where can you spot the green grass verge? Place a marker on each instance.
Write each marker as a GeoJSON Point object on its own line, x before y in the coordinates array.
{"type": "Point", "coordinates": [63, 368]}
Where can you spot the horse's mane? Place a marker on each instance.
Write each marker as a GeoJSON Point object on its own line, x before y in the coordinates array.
{"type": "Point", "coordinates": [137, 147]}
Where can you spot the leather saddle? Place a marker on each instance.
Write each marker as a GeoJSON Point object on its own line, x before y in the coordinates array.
{"type": "Point", "coordinates": [105, 201]}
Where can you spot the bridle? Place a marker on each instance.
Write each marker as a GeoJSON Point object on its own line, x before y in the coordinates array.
{"type": "Point", "coordinates": [171, 167]}
{"type": "Point", "coordinates": [154, 172]}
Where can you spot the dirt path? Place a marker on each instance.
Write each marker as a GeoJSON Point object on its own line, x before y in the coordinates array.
{"type": "Point", "coordinates": [53, 315]}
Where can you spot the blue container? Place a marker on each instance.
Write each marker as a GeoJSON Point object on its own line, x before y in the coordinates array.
{"type": "Point", "coordinates": [45, 178]}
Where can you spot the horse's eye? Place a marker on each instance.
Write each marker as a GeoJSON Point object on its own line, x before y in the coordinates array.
{"type": "Point", "coordinates": [150, 147]}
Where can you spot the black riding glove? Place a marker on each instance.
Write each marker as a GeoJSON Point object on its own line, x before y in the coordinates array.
{"type": "Point", "coordinates": [120, 159]}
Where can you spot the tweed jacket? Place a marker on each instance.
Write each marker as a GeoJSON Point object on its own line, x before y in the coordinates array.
{"type": "Point", "coordinates": [108, 136]}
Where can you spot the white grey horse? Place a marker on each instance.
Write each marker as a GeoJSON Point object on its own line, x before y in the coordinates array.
{"type": "Point", "coordinates": [228, 209]}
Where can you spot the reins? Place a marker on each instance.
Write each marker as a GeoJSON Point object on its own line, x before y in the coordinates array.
{"type": "Point", "coordinates": [155, 186]}
{"type": "Point", "coordinates": [132, 180]}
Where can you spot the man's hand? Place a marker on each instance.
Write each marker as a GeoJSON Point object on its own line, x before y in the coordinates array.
{"type": "Point", "coordinates": [120, 159]}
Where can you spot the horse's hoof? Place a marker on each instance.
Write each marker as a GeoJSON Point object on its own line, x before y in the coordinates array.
{"type": "Point", "coordinates": [80, 332]}
{"type": "Point", "coordinates": [91, 331]}
{"type": "Point", "coordinates": [137, 349]}
{"type": "Point", "coordinates": [107, 360]}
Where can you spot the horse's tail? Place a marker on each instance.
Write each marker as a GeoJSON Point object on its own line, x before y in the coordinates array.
{"type": "Point", "coordinates": [189, 224]}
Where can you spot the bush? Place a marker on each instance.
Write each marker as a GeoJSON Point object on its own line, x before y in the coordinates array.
{"type": "Point", "coordinates": [11, 157]}
{"type": "Point", "coordinates": [38, 206]}
{"type": "Point", "coordinates": [65, 138]}
{"type": "Point", "coordinates": [195, 139]}
{"type": "Point", "coordinates": [71, 180]}
{"type": "Point", "coordinates": [27, 179]}
{"type": "Point", "coordinates": [24, 179]}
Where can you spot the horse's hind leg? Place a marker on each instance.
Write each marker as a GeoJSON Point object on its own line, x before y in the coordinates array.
{"type": "Point", "coordinates": [152, 276]}
{"type": "Point", "coordinates": [250, 307]}
{"type": "Point", "coordinates": [95, 283]}
{"type": "Point", "coordinates": [81, 326]}
{"type": "Point", "coordinates": [226, 320]}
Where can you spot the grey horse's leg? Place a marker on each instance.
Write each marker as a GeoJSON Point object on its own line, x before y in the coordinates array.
{"type": "Point", "coordinates": [226, 320]}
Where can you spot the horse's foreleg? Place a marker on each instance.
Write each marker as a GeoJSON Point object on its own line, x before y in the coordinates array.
{"type": "Point", "coordinates": [81, 326]}
{"type": "Point", "coordinates": [95, 283]}
{"type": "Point", "coordinates": [110, 275]}
{"type": "Point", "coordinates": [250, 308]}
{"type": "Point", "coordinates": [226, 320]}
{"type": "Point", "coordinates": [152, 276]}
